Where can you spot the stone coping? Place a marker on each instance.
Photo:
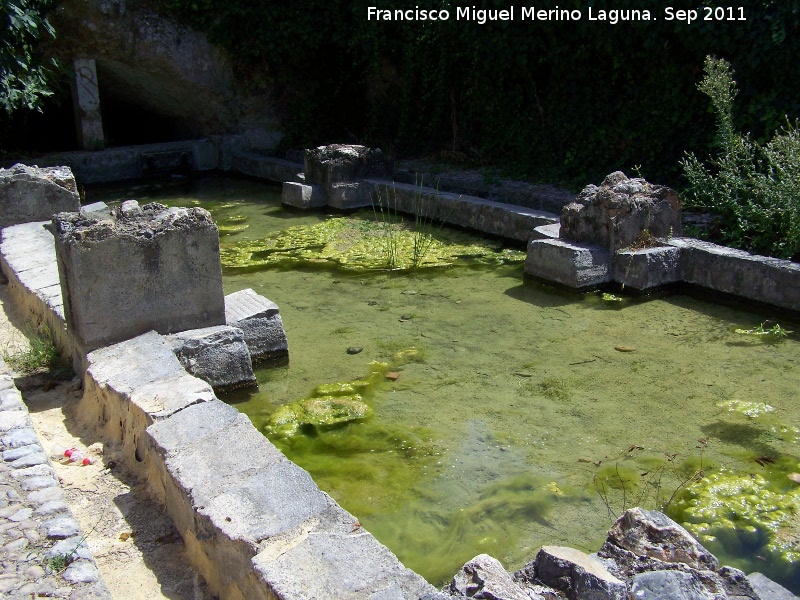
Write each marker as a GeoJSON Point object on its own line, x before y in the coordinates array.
{"type": "Point", "coordinates": [254, 523]}
{"type": "Point", "coordinates": [768, 282]}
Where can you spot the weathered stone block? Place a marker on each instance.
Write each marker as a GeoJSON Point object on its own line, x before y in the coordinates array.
{"type": "Point", "coordinates": [36, 194]}
{"type": "Point", "coordinates": [653, 534]}
{"type": "Point", "coordinates": [260, 322]}
{"type": "Point", "coordinates": [546, 232]}
{"type": "Point", "coordinates": [647, 269]}
{"type": "Point", "coordinates": [217, 355]}
{"type": "Point", "coordinates": [156, 268]}
{"type": "Point", "coordinates": [327, 556]}
{"type": "Point", "coordinates": [615, 214]}
{"type": "Point", "coordinates": [335, 163]}
{"type": "Point", "coordinates": [571, 264]}
{"type": "Point", "coordinates": [302, 195]}
{"type": "Point", "coordinates": [762, 278]}
{"type": "Point", "coordinates": [348, 195]}
{"type": "Point", "coordinates": [578, 575]}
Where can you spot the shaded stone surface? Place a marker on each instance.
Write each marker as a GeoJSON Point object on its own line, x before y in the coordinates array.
{"type": "Point", "coordinates": [217, 355]}
{"type": "Point", "coordinates": [36, 194]}
{"type": "Point", "coordinates": [148, 267]}
{"type": "Point", "coordinates": [301, 195]}
{"type": "Point", "coordinates": [648, 268]}
{"type": "Point", "coordinates": [768, 589]}
{"type": "Point", "coordinates": [615, 214]}
{"type": "Point", "coordinates": [571, 264]}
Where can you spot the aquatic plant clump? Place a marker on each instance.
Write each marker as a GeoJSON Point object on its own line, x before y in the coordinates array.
{"type": "Point", "coordinates": [745, 514]}
{"type": "Point", "coordinates": [358, 244]}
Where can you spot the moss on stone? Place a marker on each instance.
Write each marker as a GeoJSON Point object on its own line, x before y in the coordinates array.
{"type": "Point", "coordinates": [319, 413]}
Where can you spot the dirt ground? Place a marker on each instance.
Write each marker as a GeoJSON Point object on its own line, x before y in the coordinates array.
{"type": "Point", "coordinates": [138, 550]}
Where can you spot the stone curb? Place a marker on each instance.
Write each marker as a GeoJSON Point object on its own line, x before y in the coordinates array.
{"type": "Point", "coordinates": [43, 551]}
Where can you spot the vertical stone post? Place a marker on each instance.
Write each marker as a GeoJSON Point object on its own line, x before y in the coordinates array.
{"type": "Point", "coordinates": [137, 269]}
{"type": "Point", "coordinates": [86, 99]}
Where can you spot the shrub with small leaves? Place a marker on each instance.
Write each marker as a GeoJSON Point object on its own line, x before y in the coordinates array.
{"type": "Point", "coordinates": [754, 188]}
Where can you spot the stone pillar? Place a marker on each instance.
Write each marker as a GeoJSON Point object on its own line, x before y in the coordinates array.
{"type": "Point", "coordinates": [138, 269]}
{"type": "Point", "coordinates": [86, 100]}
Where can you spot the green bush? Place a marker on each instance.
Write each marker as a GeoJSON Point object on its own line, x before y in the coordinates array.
{"type": "Point", "coordinates": [753, 188]}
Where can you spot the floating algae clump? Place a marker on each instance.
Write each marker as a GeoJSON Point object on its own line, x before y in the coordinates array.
{"type": "Point", "coordinates": [318, 413]}
{"type": "Point", "coordinates": [361, 244]}
{"type": "Point", "coordinates": [749, 409]}
{"type": "Point", "coordinates": [329, 405]}
{"type": "Point", "coordinates": [745, 515]}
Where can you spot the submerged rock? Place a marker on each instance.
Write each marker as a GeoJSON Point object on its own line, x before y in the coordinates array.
{"type": "Point", "coordinates": [322, 413]}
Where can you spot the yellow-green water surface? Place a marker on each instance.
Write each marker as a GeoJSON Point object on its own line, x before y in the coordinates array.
{"type": "Point", "coordinates": [514, 416]}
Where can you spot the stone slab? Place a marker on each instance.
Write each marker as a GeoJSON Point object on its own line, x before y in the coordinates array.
{"type": "Point", "coordinates": [647, 269]}
{"type": "Point", "coordinates": [129, 365]}
{"type": "Point", "coordinates": [546, 232]}
{"type": "Point", "coordinates": [217, 355]}
{"type": "Point", "coordinates": [668, 585]}
{"type": "Point", "coordinates": [768, 589]}
{"type": "Point", "coordinates": [171, 394]}
{"type": "Point", "coordinates": [260, 322]}
{"type": "Point", "coordinates": [349, 195]}
{"type": "Point", "coordinates": [761, 278]}
{"type": "Point", "coordinates": [210, 466]}
{"type": "Point", "coordinates": [327, 556]}
{"type": "Point", "coordinates": [486, 216]}
{"type": "Point", "coordinates": [192, 424]}
{"type": "Point", "coordinates": [570, 264]}
{"type": "Point", "coordinates": [303, 196]}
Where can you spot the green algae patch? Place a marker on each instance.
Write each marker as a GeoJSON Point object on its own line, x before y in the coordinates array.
{"type": "Point", "coordinates": [741, 515]}
{"type": "Point", "coordinates": [748, 409]}
{"type": "Point", "coordinates": [360, 244]}
{"type": "Point", "coordinates": [316, 413]}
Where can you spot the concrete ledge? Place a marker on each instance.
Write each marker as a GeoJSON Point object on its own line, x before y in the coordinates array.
{"type": "Point", "coordinates": [493, 218]}
{"type": "Point", "coordinates": [266, 167]}
{"type": "Point", "coordinates": [303, 196]}
{"type": "Point", "coordinates": [760, 278]}
{"type": "Point", "coordinates": [248, 515]}
{"type": "Point", "coordinates": [134, 162]}
{"type": "Point", "coordinates": [28, 262]}
{"type": "Point", "coordinates": [576, 266]}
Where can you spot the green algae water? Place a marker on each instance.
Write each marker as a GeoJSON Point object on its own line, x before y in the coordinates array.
{"type": "Point", "coordinates": [456, 409]}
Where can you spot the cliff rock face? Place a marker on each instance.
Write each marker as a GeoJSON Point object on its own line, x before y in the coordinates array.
{"type": "Point", "coordinates": [153, 63]}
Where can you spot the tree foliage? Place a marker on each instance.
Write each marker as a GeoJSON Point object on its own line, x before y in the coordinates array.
{"type": "Point", "coordinates": [25, 76]}
{"type": "Point", "coordinates": [557, 100]}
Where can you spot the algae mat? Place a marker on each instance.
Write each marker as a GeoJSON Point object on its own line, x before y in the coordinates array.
{"type": "Point", "coordinates": [499, 416]}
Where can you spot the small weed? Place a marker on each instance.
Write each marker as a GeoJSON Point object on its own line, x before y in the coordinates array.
{"type": "Point", "coordinates": [776, 332]}
{"type": "Point", "coordinates": [41, 354]}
